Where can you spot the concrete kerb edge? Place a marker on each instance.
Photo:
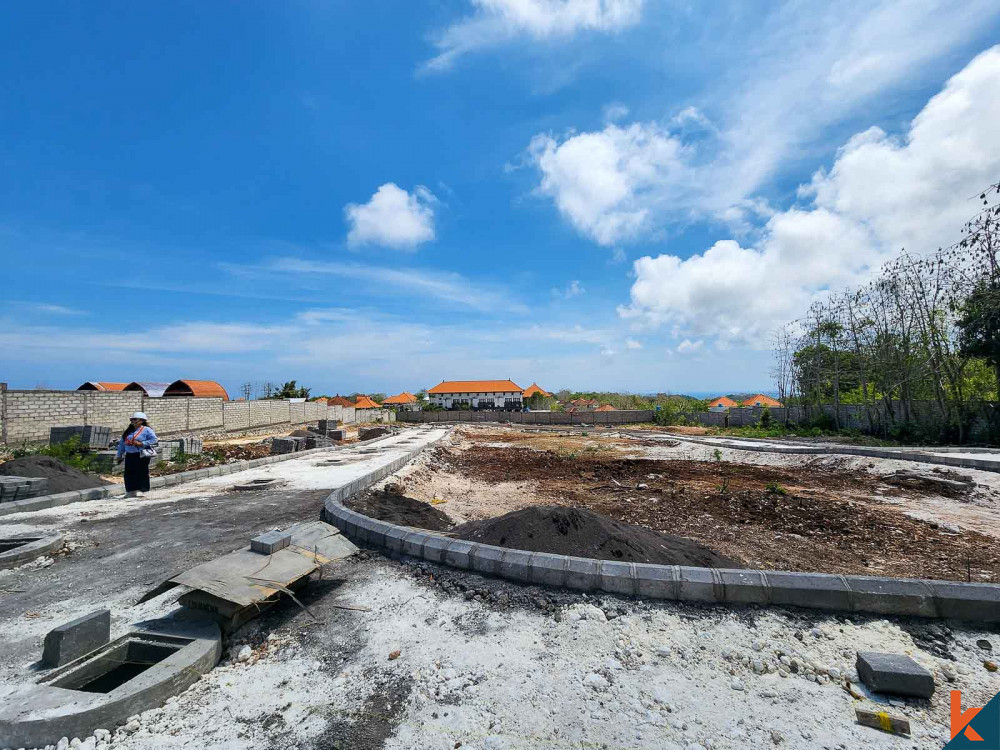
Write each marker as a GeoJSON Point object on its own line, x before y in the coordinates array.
{"type": "Point", "coordinates": [962, 463]}
{"type": "Point", "coordinates": [976, 602]}
{"type": "Point", "coordinates": [42, 502]}
{"type": "Point", "coordinates": [20, 555]}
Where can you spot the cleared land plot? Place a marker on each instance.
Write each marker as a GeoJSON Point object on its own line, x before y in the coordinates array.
{"type": "Point", "coordinates": [809, 514]}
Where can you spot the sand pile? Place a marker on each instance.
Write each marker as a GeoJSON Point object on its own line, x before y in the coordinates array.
{"type": "Point", "coordinates": [62, 478]}
{"type": "Point", "coordinates": [583, 533]}
{"type": "Point", "coordinates": [400, 510]}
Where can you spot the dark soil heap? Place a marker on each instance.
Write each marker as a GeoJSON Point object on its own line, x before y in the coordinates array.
{"type": "Point", "coordinates": [583, 533]}
{"type": "Point", "coordinates": [400, 510]}
{"type": "Point", "coordinates": [62, 478]}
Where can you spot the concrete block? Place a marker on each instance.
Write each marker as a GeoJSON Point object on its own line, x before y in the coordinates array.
{"type": "Point", "coordinates": [270, 542]}
{"type": "Point", "coordinates": [394, 539]}
{"type": "Point", "coordinates": [583, 574]}
{"type": "Point", "coordinates": [413, 544]}
{"type": "Point", "coordinates": [618, 578]}
{"type": "Point", "coordinates": [657, 581]}
{"type": "Point", "coordinates": [699, 585]}
{"type": "Point", "coordinates": [743, 586]}
{"type": "Point", "coordinates": [73, 639]}
{"type": "Point", "coordinates": [814, 590]}
{"type": "Point", "coordinates": [896, 674]}
{"type": "Point", "coordinates": [967, 601]}
{"type": "Point", "coordinates": [892, 596]}
{"type": "Point", "coordinates": [434, 548]}
{"type": "Point", "coordinates": [548, 570]}
{"type": "Point", "coordinates": [516, 565]}
{"type": "Point", "coordinates": [459, 554]}
{"type": "Point", "coordinates": [486, 559]}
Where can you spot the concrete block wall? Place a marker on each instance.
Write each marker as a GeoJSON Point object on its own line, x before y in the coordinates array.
{"type": "Point", "coordinates": [534, 417]}
{"type": "Point", "coordinates": [166, 415]}
{"type": "Point", "coordinates": [204, 413]}
{"type": "Point", "coordinates": [27, 416]}
{"type": "Point", "coordinates": [236, 415]}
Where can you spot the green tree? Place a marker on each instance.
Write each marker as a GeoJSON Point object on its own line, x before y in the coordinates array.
{"type": "Point", "coordinates": [979, 325]}
{"type": "Point", "coordinates": [291, 389]}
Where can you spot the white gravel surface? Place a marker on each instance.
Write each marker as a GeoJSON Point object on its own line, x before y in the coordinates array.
{"type": "Point", "coordinates": [656, 675]}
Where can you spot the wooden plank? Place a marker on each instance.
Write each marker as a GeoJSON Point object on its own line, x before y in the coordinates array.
{"type": "Point", "coordinates": [882, 720]}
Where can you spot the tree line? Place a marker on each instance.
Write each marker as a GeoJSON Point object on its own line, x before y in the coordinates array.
{"type": "Point", "coordinates": [917, 347]}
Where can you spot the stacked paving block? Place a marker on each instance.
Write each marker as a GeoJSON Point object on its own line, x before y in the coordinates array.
{"type": "Point", "coordinates": [91, 436]}
{"type": "Point", "coordinates": [314, 441]}
{"type": "Point", "coordinates": [370, 433]}
{"type": "Point", "coordinates": [285, 445]}
{"type": "Point", "coordinates": [190, 444]}
{"type": "Point", "coordinates": [21, 488]}
{"type": "Point", "coordinates": [339, 434]}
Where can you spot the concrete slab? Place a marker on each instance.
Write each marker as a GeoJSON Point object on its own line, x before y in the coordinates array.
{"type": "Point", "coordinates": [73, 639]}
{"type": "Point", "coordinates": [896, 674]}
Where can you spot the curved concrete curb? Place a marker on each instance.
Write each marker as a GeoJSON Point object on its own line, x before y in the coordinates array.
{"type": "Point", "coordinates": [42, 713]}
{"type": "Point", "coordinates": [38, 546]}
{"type": "Point", "coordinates": [963, 463]}
{"type": "Point", "coordinates": [115, 490]}
{"type": "Point", "coordinates": [885, 596]}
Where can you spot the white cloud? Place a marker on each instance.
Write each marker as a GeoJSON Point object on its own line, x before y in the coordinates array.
{"type": "Point", "coordinates": [573, 289]}
{"type": "Point", "coordinates": [495, 22]}
{"type": "Point", "coordinates": [606, 183]}
{"type": "Point", "coordinates": [633, 344]}
{"type": "Point", "coordinates": [442, 286]}
{"type": "Point", "coordinates": [50, 309]}
{"type": "Point", "coordinates": [881, 194]}
{"type": "Point", "coordinates": [392, 218]}
{"type": "Point", "coordinates": [615, 111]}
{"type": "Point", "coordinates": [689, 347]}
{"type": "Point", "coordinates": [807, 72]}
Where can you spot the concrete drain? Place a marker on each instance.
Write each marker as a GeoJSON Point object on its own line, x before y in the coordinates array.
{"type": "Point", "coordinates": [18, 550]}
{"type": "Point", "coordinates": [255, 484]}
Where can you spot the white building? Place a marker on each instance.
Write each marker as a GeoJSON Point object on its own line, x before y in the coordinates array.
{"type": "Point", "coordinates": [476, 394]}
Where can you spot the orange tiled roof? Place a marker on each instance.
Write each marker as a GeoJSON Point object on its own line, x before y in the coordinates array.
{"type": "Point", "coordinates": [761, 399]}
{"type": "Point", "coordinates": [722, 401]}
{"type": "Point", "coordinates": [364, 402]}
{"type": "Point", "coordinates": [403, 398]}
{"type": "Point", "coordinates": [339, 400]}
{"type": "Point", "coordinates": [196, 388]}
{"type": "Point", "coordinates": [476, 386]}
{"type": "Point", "coordinates": [606, 407]}
{"type": "Point", "coordinates": [534, 388]}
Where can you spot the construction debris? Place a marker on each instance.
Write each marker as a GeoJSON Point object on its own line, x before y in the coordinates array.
{"type": "Point", "coordinates": [882, 720]}
{"type": "Point", "coordinates": [896, 674]}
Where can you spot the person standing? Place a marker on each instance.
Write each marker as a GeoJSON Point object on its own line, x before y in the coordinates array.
{"type": "Point", "coordinates": [137, 447]}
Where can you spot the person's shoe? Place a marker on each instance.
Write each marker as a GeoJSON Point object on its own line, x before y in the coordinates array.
{"type": "Point", "coordinates": [140, 494]}
{"type": "Point", "coordinates": [132, 493]}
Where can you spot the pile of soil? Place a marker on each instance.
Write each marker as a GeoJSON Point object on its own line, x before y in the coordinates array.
{"type": "Point", "coordinates": [62, 478]}
{"type": "Point", "coordinates": [583, 533]}
{"type": "Point", "coordinates": [400, 510]}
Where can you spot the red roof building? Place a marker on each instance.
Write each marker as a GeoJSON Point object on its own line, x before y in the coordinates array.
{"type": "Point", "coordinates": [364, 402]}
{"type": "Point", "coordinates": [761, 400]}
{"type": "Point", "coordinates": [196, 388]}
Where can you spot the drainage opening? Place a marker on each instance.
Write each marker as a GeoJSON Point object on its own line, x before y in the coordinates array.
{"type": "Point", "coordinates": [6, 545]}
{"type": "Point", "coordinates": [255, 484]}
{"type": "Point", "coordinates": [119, 662]}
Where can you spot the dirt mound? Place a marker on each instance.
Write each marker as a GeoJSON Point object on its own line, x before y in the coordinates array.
{"type": "Point", "coordinates": [582, 533]}
{"type": "Point", "coordinates": [400, 510]}
{"type": "Point", "coordinates": [62, 478]}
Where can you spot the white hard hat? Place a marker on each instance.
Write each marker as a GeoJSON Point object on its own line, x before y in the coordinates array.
{"type": "Point", "coordinates": [139, 415]}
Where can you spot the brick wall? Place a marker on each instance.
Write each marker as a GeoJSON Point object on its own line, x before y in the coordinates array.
{"type": "Point", "coordinates": [26, 416]}
{"type": "Point", "coordinates": [534, 417]}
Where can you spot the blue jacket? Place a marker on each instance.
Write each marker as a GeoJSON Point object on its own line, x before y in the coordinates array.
{"type": "Point", "coordinates": [147, 439]}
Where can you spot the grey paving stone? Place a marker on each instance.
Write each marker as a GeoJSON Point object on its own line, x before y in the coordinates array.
{"type": "Point", "coordinates": [743, 586]}
{"type": "Point", "coordinates": [73, 639]}
{"type": "Point", "coordinates": [582, 574]}
{"type": "Point", "coordinates": [270, 542]}
{"type": "Point", "coordinates": [657, 581]}
{"type": "Point", "coordinates": [486, 559]}
{"type": "Point", "coordinates": [618, 578]}
{"type": "Point", "coordinates": [896, 674]}
{"type": "Point", "coordinates": [814, 590]}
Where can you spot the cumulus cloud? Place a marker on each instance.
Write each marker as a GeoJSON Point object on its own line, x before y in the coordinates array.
{"type": "Point", "coordinates": [606, 183]}
{"type": "Point", "coordinates": [882, 193]}
{"type": "Point", "coordinates": [495, 22]}
{"type": "Point", "coordinates": [633, 344]}
{"type": "Point", "coordinates": [806, 72]}
{"type": "Point", "coordinates": [392, 218]}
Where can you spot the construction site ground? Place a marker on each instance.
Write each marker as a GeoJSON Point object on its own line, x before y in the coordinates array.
{"type": "Point", "coordinates": [411, 655]}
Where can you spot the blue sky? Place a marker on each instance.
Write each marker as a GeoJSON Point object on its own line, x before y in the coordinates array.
{"type": "Point", "coordinates": [593, 194]}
